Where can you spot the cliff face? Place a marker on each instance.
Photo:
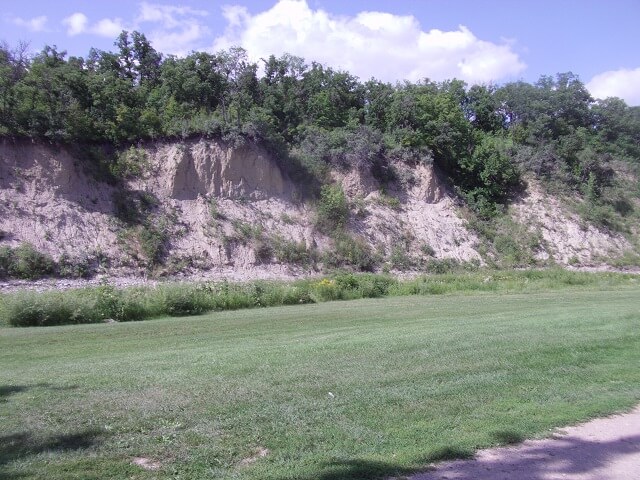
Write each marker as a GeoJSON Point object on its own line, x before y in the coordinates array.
{"type": "Point", "coordinates": [204, 168]}
{"type": "Point", "coordinates": [225, 211]}
{"type": "Point", "coordinates": [46, 200]}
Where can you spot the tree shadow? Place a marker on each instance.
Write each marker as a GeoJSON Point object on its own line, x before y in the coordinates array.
{"type": "Point", "coordinates": [19, 446]}
{"type": "Point", "coordinates": [7, 391]}
{"type": "Point", "coordinates": [537, 460]}
{"type": "Point", "coordinates": [352, 469]}
{"type": "Point", "coordinates": [507, 437]}
{"type": "Point", "coordinates": [22, 445]}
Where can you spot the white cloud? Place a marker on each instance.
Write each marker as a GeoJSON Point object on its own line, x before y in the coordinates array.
{"type": "Point", "coordinates": [623, 83]}
{"type": "Point", "coordinates": [176, 29]}
{"type": "Point", "coordinates": [108, 27]}
{"type": "Point", "coordinates": [79, 23]}
{"type": "Point", "coordinates": [171, 29]}
{"type": "Point", "coordinates": [36, 24]}
{"type": "Point", "coordinates": [168, 15]}
{"type": "Point", "coordinates": [388, 47]}
{"type": "Point", "coordinates": [76, 23]}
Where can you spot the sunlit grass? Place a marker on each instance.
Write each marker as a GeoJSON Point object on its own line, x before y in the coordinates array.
{"type": "Point", "coordinates": [353, 389]}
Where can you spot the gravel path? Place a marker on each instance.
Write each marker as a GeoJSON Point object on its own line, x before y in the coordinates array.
{"type": "Point", "coordinates": [602, 449]}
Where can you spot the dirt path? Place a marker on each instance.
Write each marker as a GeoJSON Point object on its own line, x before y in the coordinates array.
{"type": "Point", "coordinates": [602, 449]}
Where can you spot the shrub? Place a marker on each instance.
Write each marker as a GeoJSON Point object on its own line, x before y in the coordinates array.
{"type": "Point", "coordinates": [152, 241]}
{"type": "Point", "coordinates": [130, 163]}
{"type": "Point", "coordinates": [400, 259]}
{"type": "Point", "coordinates": [354, 252]}
{"type": "Point", "coordinates": [50, 308]}
{"type": "Point", "coordinates": [333, 210]}
{"type": "Point", "coordinates": [79, 267]}
{"type": "Point", "coordinates": [288, 251]}
{"type": "Point", "coordinates": [186, 300]}
{"type": "Point", "coordinates": [325, 290]}
{"type": "Point", "coordinates": [26, 262]}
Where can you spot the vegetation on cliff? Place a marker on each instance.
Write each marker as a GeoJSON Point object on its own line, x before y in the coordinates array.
{"type": "Point", "coordinates": [483, 137]}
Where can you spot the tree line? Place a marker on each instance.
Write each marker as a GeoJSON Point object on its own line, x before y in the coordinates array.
{"type": "Point", "coordinates": [482, 137]}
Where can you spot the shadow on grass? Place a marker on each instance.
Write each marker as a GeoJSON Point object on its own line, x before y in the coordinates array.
{"type": "Point", "coordinates": [20, 446]}
{"type": "Point", "coordinates": [506, 437]}
{"type": "Point", "coordinates": [369, 469]}
{"type": "Point", "coordinates": [570, 457]}
{"type": "Point", "coordinates": [7, 390]}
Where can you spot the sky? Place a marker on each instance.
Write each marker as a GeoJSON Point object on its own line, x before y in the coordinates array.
{"type": "Point", "coordinates": [478, 41]}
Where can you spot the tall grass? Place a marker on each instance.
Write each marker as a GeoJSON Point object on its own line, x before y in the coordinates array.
{"type": "Point", "coordinates": [97, 304]}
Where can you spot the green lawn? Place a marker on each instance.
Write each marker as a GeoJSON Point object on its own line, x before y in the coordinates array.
{"type": "Point", "coordinates": [353, 389]}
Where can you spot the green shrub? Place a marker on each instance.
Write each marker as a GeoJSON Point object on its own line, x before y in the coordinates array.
{"type": "Point", "coordinates": [183, 300]}
{"type": "Point", "coordinates": [350, 251]}
{"type": "Point", "coordinates": [130, 163]}
{"type": "Point", "coordinates": [400, 259]}
{"type": "Point", "coordinates": [333, 210]}
{"type": "Point", "coordinates": [291, 252]}
{"type": "Point", "coordinates": [325, 290]}
{"type": "Point", "coordinates": [25, 262]}
{"type": "Point", "coordinates": [6, 260]}
{"type": "Point", "coordinates": [152, 242]}
{"type": "Point", "coordinates": [30, 309]}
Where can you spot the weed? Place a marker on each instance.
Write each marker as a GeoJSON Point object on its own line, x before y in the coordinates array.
{"type": "Point", "coordinates": [333, 210]}
{"type": "Point", "coordinates": [351, 251]}
{"type": "Point", "coordinates": [25, 262]}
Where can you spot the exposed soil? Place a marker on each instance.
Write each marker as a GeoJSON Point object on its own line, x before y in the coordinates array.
{"type": "Point", "coordinates": [602, 449]}
{"type": "Point", "coordinates": [217, 206]}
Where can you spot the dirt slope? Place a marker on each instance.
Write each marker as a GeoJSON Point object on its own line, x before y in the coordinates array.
{"type": "Point", "coordinates": [224, 210]}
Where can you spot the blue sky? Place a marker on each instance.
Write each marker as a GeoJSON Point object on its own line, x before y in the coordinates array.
{"type": "Point", "coordinates": [477, 41]}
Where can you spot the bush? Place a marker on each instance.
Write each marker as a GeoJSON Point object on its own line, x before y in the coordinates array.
{"type": "Point", "coordinates": [130, 163]}
{"type": "Point", "coordinates": [25, 262]}
{"type": "Point", "coordinates": [186, 300]}
{"type": "Point", "coordinates": [50, 308]}
{"type": "Point", "coordinates": [152, 242]}
{"type": "Point", "coordinates": [354, 252]}
{"type": "Point", "coordinates": [333, 210]}
{"type": "Point", "coordinates": [295, 253]}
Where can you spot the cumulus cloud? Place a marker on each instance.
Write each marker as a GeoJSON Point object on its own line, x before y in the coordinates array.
{"type": "Point", "coordinates": [78, 23]}
{"type": "Point", "coordinates": [36, 24]}
{"type": "Point", "coordinates": [388, 47]}
{"type": "Point", "coordinates": [171, 29]}
{"type": "Point", "coordinates": [108, 27]}
{"type": "Point", "coordinates": [623, 83]}
{"type": "Point", "coordinates": [175, 29]}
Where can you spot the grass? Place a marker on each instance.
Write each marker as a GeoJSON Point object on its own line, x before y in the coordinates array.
{"type": "Point", "coordinates": [339, 390]}
{"type": "Point", "coordinates": [96, 304]}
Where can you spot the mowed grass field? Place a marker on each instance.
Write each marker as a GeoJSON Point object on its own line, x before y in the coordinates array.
{"type": "Point", "coordinates": [355, 389]}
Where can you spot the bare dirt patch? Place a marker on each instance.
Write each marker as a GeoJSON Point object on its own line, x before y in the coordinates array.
{"type": "Point", "coordinates": [259, 453]}
{"type": "Point", "coordinates": [146, 463]}
{"type": "Point", "coordinates": [602, 449]}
